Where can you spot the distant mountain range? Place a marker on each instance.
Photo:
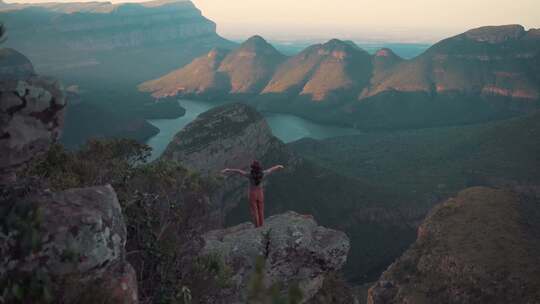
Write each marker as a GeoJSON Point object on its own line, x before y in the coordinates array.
{"type": "Point", "coordinates": [483, 74]}
{"type": "Point", "coordinates": [59, 37]}
{"type": "Point", "coordinates": [106, 50]}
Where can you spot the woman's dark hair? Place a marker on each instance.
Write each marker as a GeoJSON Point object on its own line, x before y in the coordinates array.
{"type": "Point", "coordinates": [256, 172]}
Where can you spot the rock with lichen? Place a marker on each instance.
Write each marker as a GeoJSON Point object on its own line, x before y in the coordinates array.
{"type": "Point", "coordinates": [31, 113]}
{"type": "Point", "coordinates": [77, 241]}
{"type": "Point", "coordinates": [55, 247]}
{"type": "Point", "coordinates": [295, 249]}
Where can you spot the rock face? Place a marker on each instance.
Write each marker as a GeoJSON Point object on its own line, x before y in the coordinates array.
{"type": "Point", "coordinates": [93, 26]}
{"type": "Point", "coordinates": [88, 225]}
{"type": "Point", "coordinates": [294, 247]}
{"type": "Point", "coordinates": [31, 112]}
{"type": "Point", "coordinates": [69, 246]}
{"type": "Point", "coordinates": [480, 247]}
{"type": "Point", "coordinates": [81, 237]}
{"type": "Point", "coordinates": [88, 222]}
{"type": "Point", "coordinates": [84, 38]}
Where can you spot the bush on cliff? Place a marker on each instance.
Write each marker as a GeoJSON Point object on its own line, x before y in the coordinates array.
{"type": "Point", "coordinates": [165, 208]}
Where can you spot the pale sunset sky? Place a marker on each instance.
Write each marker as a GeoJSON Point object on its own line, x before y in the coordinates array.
{"type": "Point", "coordinates": [406, 20]}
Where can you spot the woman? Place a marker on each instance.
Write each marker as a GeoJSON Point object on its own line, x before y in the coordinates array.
{"type": "Point", "coordinates": [255, 193]}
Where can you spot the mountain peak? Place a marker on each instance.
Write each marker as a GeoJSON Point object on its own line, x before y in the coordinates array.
{"type": "Point", "coordinates": [333, 43]}
{"type": "Point", "coordinates": [256, 39]}
{"type": "Point", "coordinates": [256, 43]}
{"type": "Point", "coordinates": [385, 52]}
{"type": "Point", "coordinates": [496, 34]}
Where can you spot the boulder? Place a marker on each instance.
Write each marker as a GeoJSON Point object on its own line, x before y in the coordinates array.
{"type": "Point", "coordinates": [294, 247]}
{"type": "Point", "coordinates": [80, 242]}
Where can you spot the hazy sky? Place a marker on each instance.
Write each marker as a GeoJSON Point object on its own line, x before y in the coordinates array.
{"type": "Point", "coordinates": [421, 20]}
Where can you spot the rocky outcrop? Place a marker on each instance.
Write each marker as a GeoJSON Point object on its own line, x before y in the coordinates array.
{"type": "Point", "coordinates": [80, 242]}
{"type": "Point", "coordinates": [31, 115]}
{"type": "Point", "coordinates": [228, 136]}
{"type": "Point", "coordinates": [479, 247]}
{"type": "Point", "coordinates": [64, 247]}
{"type": "Point", "coordinates": [294, 247]}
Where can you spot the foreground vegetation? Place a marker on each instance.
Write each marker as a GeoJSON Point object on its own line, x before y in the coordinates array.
{"type": "Point", "coordinates": [167, 209]}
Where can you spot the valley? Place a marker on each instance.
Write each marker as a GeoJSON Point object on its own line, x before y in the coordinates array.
{"type": "Point", "coordinates": [387, 172]}
{"type": "Point", "coordinates": [287, 128]}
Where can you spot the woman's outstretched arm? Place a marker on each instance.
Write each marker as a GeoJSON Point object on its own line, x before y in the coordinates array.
{"type": "Point", "coordinates": [272, 169]}
{"type": "Point", "coordinates": [234, 171]}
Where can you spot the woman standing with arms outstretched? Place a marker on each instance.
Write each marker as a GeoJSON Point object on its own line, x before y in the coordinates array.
{"type": "Point", "coordinates": [255, 191]}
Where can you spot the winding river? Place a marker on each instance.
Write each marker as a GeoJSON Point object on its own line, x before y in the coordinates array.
{"type": "Point", "coordinates": [286, 127]}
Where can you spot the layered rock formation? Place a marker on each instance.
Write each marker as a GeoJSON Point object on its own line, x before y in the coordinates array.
{"type": "Point", "coordinates": [484, 74]}
{"type": "Point", "coordinates": [480, 247]}
{"type": "Point", "coordinates": [294, 247]}
{"type": "Point", "coordinates": [31, 112]}
{"type": "Point", "coordinates": [65, 247]}
{"type": "Point", "coordinates": [105, 26]}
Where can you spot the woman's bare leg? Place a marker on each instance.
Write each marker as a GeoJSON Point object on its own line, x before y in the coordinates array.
{"type": "Point", "coordinates": [253, 210]}
{"type": "Point", "coordinates": [260, 208]}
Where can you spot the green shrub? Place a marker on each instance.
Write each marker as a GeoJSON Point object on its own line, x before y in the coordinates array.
{"type": "Point", "coordinates": [165, 206]}
{"type": "Point", "coordinates": [20, 282]}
